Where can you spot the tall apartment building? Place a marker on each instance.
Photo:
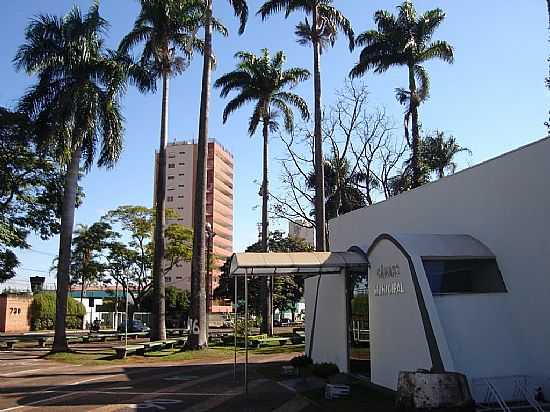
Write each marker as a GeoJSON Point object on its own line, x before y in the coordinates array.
{"type": "Point", "coordinates": [181, 159]}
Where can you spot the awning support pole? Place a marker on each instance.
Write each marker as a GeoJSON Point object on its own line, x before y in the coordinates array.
{"type": "Point", "coordinates": [235, 331]}
{"type": "Point", "coordinates": [246, 334]}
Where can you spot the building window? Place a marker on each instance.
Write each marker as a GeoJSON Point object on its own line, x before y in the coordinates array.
{"type": "Point", "coordinates": [179, 277]}
{"type": "Point", "coordinates": [170, 198]}
{"type": "Point", "coordinates": [182, 174]}
{"type": "Point", "coordinates": [168, 278]}
{"type": "Point", "coordinates": [180, 197]}
{"type": "Point", "coordinates": [182, 164]}
{"type": "Point", "coordinates": [181, 185]}
{"type": "Point", "coordinates": [170, 177]}
{"type": "Point", "coordinates": [171, 165]}
{"type": "Point", "coordinates": [447, 276]}
{"type": "Point", "coordinates": [182, 152]}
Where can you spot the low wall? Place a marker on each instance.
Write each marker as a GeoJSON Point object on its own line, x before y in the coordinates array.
{"type": "Point", "coordinates": [15, 315]}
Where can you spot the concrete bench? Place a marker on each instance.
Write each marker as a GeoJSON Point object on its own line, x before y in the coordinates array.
{"type": "Point", "coordinates": [10, 343]}
{"type": "Point", "coordinates": [132, 335]}
{"type": "Point", "coordinates": [180, 341]}
{"type": "Point", "coordinates": [98, 337]}
{"type": "Point", "coordinates": [123, 351]}
{"type": "Point", "coordinates": [258, 341]}
{"type": "Point", "coordinates": [43, 340]}
{"type": "Point", "coordinates": [336, 391]}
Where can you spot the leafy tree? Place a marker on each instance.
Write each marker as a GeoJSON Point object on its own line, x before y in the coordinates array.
{"type": "Point", "coordinates": [261, 80]}
{"type": "Point", "coordinates": [287, 290]}
{"type": "Point", "coordinates": [405, 40]}
{"type": "Point", "coordinates": [166, 28]}
{"type": "Point", "coordinates": [130, 263]}
{"type": "Point", "coordinates": [31, 189]}
{"type": "Point", "coordinates": [326, 22]}
{"type": "Point", "coordinates": [198, 265]}
{"type": "Point", "coordinates": [87, 264]}
{"type": "Point", "coordinates": [75, 105]}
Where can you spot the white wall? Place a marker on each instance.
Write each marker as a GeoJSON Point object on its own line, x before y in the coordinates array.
{"type": "Point", "coordinates": [330, 339]}
{"type": "Point", "coordinates": [397, 338]}
{"type": "Point", "coordinates": [505, 203]}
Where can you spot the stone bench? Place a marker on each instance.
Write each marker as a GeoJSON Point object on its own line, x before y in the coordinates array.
{"type": "Point", "coordinates": [10, 343]}
{"type": "Point", "coordinates": [123, 351]}
{"type": "Point", "coordinates": [258, 342]}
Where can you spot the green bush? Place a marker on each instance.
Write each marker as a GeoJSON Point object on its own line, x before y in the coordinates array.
{"type": "Point", "coordinates": [43, 312]}
{"type": "Point", "coordinates": [301, 361]}
{"type": "Point", "coordinates": [325, 370]}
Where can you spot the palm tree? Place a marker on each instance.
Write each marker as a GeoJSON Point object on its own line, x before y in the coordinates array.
{"type": "Point", "coordinates": [198, 266]}
{"type": "Point", "coordinates": [167, 29]}
{"type": "Point", "coordinates": [76, 107]}
{"type": "Point", "coordinates": [405, 40]}
{"type": "Point", "coordinates": [342, 187]}
{"type": "Point", "coordinates": [438, 153]}
{"type": "Point", "coordinates": [326, 22]}
{"type": "Point", "coordinates": [263, 81]}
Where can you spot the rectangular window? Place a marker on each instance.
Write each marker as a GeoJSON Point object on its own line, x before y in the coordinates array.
{"type": "Point", "coordinates": [182, 164]}
{"type": "Point", "coordinates": [181, 185]}
{"type": "Point", "coordinates": [181, 174]}
{"type": "Point", "coordinates": [180, 197]}
{"type": "Point", "coordinates": [168, 279]}
{"type": "Point", "coordinates": [170, 198]}
{"type": "Point", "coordinates": [463, 276]}
{"type": "Point", "coordinates": [171, 165]}
{"type": "Point", "coordinates": [170, 177]}
{"type": "Point", "coordinates": [182, 152]}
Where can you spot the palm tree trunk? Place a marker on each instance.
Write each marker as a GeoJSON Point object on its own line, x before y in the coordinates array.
{"type": "Point", "coordinates": [415, 164]}
{"type": "Point", "coordinates": [320, 224]}
{"type": "Point", "coordinates": [64, 261]}
{"type": "Point", "coordinates": [267, 282]}
{"type": "Point", "coordinates": [198, 338]}
{"type": "Point", "coordinates": [158, 331]}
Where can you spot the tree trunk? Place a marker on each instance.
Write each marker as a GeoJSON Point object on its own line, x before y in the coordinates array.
{"type": "Point", "coordinates": [64, 261]}
{"type": "Point", "coordinates": [266, 282]}
{"type": "Point", "coordinates": [82, 290]}
{"type": "Point", "coordinates": [415, 160]}
{"type": "Point", "coordinates": [320, 223]}
{"type": "Point", "coordinates": [158, 330]}
{"type": "Point", "coordinates": [198, 338]}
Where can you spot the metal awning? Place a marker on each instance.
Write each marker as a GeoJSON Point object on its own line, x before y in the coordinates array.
{"type": "Point", "coordinates": [299, 263]}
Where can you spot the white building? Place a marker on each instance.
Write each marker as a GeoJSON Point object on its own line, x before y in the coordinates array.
{"type": "Point", "coordinates": [459, 277]}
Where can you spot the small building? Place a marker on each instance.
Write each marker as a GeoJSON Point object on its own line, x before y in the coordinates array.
{"type": "Point", "coordinates": [458, 279]}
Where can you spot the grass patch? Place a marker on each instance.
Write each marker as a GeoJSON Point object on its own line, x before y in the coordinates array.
{"type": "Point", "coordinates": [104, 356]}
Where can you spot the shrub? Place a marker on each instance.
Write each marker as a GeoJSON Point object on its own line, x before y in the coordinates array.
{"type": "Point", "coordinates": [43, 312]}
{"type": "Point", "coordinates": [325, 370]}
{"type": "Point", "coordinates": [301, 361]}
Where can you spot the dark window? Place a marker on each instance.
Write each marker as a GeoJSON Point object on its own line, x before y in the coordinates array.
{"type": "Point", "coordinates": [170, 177]}
{"type": "Point", "coordinates": [463, 276]}
{"type": "Point", "coordinates": [182, 164]}
{"type": "Point", "coordinates": [171, 165]}
{"type": "Point", "coordinates": [181, 185]}
{"type": "Point", "coordinates": [170, 198]}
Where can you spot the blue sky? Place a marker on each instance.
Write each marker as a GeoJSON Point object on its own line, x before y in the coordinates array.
{"type": "Point", "coordinates": [492, 99]}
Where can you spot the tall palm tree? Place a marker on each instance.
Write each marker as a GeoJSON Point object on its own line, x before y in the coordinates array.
{"type": "Point", "coordinates": [405, 40]}
{"type": "Point", "coordinates": [326, 22]}
{"type": "Point", "coordinates": [198, 266]}
{"type": "Point", "coordinates": [167, 30]}
{"type": "Point", "coordinates": [76, 106]}
{"type": "Point", "coordinates": [263, 81]}
{"type": "Point", "coordinates": [438, 153]}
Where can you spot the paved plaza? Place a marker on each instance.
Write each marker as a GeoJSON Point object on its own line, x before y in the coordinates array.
{"type": "Point", "coordinates": [29, 382]}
